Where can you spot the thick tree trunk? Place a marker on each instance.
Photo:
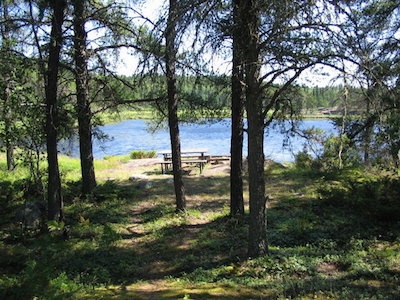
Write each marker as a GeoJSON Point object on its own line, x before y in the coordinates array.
{"type": "Point", "coordinates": [238, 95]}
{"type": "Point", "coordinates": [173, 121]}
{"type": "Point", "coordinates": [55, 201]}
{"type": "Point", "coordinates": [83, 103]}
{"type": "Point", "coordinates": [257, 226]}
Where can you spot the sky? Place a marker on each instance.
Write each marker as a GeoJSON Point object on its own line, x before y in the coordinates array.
{"type": "Point", "coordinates": [320, 76]}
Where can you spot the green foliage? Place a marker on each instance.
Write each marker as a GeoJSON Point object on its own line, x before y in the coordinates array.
{"type": "Point", "coordinates": [338, 154]}
{"type": "Point", "coordinates": [109, 162]}
{"type": "Point", "coordinates": [110, 190]}
{"type": "Point", "coordinates": [339, 242]}
{"type": "Point", "coordinates": [55, 226]}
{"type": "Point", "coordinates": [139, 154]}
{"type": "Point", "coordinates": [125, 113]}
{"type": "Point", "coordinates": [374, 196]}
{"type": "Point", "coordinates": [62, 287]}
{"type": "Point", "coordinates": [201, 97]}
{"type": "Point", "coordinates": [303, 160]}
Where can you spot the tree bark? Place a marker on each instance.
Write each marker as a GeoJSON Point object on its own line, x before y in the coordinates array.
{"type": "Point", "coordinates": [55, 201]}
{"type": "Point", "coordinates": [238, 98]}
{"type": "Point", "coordinates": [7, 125]}
{"type": "Point", "coordinates": [173, 121]}
{"type": "Point", "coordinates": [5, 34]}
{"type": "Point", "coordinates": [257, 224]}
{"type": "Point", "coordinates": [82, 97]}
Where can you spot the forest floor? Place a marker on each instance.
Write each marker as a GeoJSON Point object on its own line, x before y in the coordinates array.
{"type": "Point", "coordinates": [127, 241]}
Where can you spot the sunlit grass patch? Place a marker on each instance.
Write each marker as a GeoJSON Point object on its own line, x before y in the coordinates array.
{"type": "Point", "coordinates": [127, 114]}
{"type": "Point", "coordinates": [140, 154]}
{"type": "Point", "coordinates": [109, 162]}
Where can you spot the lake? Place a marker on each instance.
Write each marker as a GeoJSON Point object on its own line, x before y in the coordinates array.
{"type": "Point", "coordinates": [129, 135]}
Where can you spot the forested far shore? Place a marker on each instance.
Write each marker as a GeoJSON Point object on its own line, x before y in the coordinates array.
{"type": "Point", "coordinates": [210, 98]}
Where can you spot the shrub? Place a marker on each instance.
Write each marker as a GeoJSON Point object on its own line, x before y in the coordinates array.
{"type": "Point", "coordinates": [139, 154]}
{"type": "Point", "coordinates": [331, 160]}
{"type": "Point", "coordinates": [303, 160]}
{"type": "Point", "coordinates": [375, 196]}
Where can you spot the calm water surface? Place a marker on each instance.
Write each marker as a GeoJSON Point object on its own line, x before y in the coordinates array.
{"type": "Point", "coordinates": [131, 135]}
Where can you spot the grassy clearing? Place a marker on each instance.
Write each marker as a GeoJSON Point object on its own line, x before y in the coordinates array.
{"type": "Point", "coordinates": [149, 114]}
{"type": "Point", "coordinates": [126, 114]}
{"type": "Point", "coordinates": [327, 239]}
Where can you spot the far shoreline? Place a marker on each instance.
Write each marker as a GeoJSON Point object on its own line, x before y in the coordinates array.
{"type": "Point", "coordinates": [116, 117]}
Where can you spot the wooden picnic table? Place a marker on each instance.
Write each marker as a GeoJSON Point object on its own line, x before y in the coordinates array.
{"type": "Point", "coordinates": [199, 159]}
{"type": "Point", "coordinates": [165, 165]}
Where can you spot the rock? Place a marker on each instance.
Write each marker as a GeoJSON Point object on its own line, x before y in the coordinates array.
{"type": "Point", "coordinates": [135, 177]}
{"type": "Point", "coordinates": [144, 185]}
{"type": "Point", "coordinates": [31, 215]}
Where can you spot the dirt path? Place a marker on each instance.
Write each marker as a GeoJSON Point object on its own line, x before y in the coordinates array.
{"type": "Point", "coordinates": [160, 253]}
{"type": "Point", "coordinates": [151, 167]}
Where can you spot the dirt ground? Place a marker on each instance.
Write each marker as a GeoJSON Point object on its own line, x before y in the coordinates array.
{"type": "Point", "coordinates": [152, 167]}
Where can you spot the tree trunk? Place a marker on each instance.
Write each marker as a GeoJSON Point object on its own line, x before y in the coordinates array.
{"type": "Point", "coordinates": [173, 121]}
{"type": "Point", "coordinates": [238, 98]}
{"type": "Point", "coordinates": [83, 103]}
{"type": "Point", "coordinates": [257, 226]}
{"type": "Point", "coordinates": [368, 132]}
{"type": "Point", "coordinates": [10, 156]}
{"type": "Point", "coordinates": [7, 119]}
{"type": "Point", "coordinates": [7, 126]}
{"type": "Point", "coordinates": [55, 201]}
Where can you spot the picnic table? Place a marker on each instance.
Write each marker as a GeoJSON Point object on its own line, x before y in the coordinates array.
{"type": "Point", "coordinates": [189, 156]}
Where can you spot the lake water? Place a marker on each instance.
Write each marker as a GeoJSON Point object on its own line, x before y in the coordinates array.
{"type": "Point", "coordinates": [130, 135]}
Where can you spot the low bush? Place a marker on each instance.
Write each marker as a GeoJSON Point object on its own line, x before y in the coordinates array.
{"type": "Point", "coordinates": [303, 160]}
{"type": "Point", "coordinates": [139, 154]}
{"type": "Point", "coordinates": [376, 196]}
{"type": "Point", "coordinates": [115, 244]}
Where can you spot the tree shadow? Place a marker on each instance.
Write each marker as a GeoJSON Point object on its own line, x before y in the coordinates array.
{"type": "Point", "coordinates": [295, 219]}
{"type": "Point", "coordinates": [156, 244]}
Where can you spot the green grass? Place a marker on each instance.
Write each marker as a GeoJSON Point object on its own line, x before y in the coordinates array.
{"type": "Point", "coordinates": [327, 240]}
{"type": "Point", "coordinates": [139, 154]}
{"type": "Point", "coordinates": [109, 162]}
{"type": "Point", "coordinates": [126, 114]}
{"type": "Point", "coordinates": [149, 114]}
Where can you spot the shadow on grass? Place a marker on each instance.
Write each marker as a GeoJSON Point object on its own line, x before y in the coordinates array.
{"type": "Point", "coordinates": [127, 235]}
{"type": "Point", "coordinates": [333, 214]}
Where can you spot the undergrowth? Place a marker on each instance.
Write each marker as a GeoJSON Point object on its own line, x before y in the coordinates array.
{"type": "Point", "coordinates": [139, 154]}
{"type": "Point", "coordinates": [331, 236]}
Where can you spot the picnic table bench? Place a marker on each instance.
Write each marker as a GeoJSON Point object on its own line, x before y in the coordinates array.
{"type": "Point", "coordinates": [165, 165]}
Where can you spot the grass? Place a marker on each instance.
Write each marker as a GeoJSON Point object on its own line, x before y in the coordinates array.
{"type": "Point", "coordinates": [128, 243]}
{"type": "Point", "coordinates": [140, 154]}
{"type": "Point", "coordinates": [149, 114]}
{"type": "Point", "coordinates": [126, 114]}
